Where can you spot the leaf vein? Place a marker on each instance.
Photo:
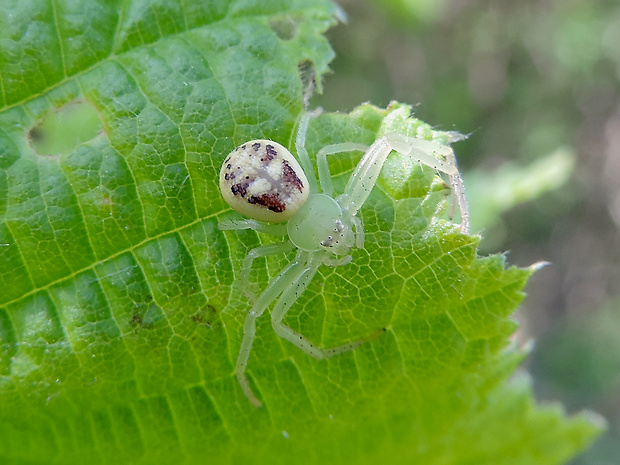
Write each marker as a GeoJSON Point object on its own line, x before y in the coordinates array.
{"type": "Point", "coordinates": [63, 57]}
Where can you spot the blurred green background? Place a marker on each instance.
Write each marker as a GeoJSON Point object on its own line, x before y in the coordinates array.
{"type": "Point", "coordinates": [536, 85]}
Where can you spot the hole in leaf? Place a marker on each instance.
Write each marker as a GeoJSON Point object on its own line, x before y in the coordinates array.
{"type": "Point", "coordinates": [65, 129]}
{"type": "Point", "coordinates": [284, 26]}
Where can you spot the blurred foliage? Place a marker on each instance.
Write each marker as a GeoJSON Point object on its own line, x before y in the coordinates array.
{"type": "Point", "coordinates": [579, 363]}
{"type": "Point", "coordinates": [536, 85]}
{"type": "Point", "coordinates": [492, 193]}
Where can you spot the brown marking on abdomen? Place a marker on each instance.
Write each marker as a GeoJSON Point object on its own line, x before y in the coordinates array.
{"type": "Point", "coordinates": [272, 201]}
{"type": "Point", "coordinates": [290, 177]}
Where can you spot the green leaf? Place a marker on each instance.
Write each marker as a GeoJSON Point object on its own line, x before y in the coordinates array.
{"type": "Point", "coordinates": [120, 309]}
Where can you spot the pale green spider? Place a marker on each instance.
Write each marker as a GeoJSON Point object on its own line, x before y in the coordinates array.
{"type": "Point", "coordinates": [262, 180]}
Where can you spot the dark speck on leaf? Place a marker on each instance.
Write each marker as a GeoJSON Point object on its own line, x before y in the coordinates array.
{"type": "Point", "coordinates": [205, 316]}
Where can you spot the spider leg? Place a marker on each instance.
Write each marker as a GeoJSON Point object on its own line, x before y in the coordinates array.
{"type": "Point", "coordinates": [260, 251]}
{"type": "Point", "coordinates": [237, 224]}
{"type": "Point", "coordinates": [334, 262]}
{"type": "Point", "coordinates": [286, 301]}
{"type": "Point", "coordinates": [300, 147]}
{"type": "Point", "coordinates": [458, 191]}
{"type": "Point", "coordinates": [359, 232]}
{"type": "Point", "coordinates": [420, 149]}
{"type": "Point", "coordinates": [365, 175]}
{"type": "Point", "coordinates": [275, 287]}
{"type": "Point", "coordinates": [325, 177]}
{"type": "Point", "coordinates": [367, 171]}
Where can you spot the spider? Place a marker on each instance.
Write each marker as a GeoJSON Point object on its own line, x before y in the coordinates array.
{"type": "Point", "coordinates": [263, 181]}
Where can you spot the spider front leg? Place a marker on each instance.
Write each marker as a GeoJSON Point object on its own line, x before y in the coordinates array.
{"type": "Point", "coordinates": [425, 151]}
{"type": "Point", "coordinates": [325, 177]}
{"type": "Point", "coordinates": [421, 151]}
{"type": "Point", "coordinates": [300, 146]}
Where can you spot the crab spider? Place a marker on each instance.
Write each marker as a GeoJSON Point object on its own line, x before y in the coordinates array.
{"type": "Point", "coordinates": [263, 181]}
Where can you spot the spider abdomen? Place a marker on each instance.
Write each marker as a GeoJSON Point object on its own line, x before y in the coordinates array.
{"type": "Point", "coordinates": [262, 180]}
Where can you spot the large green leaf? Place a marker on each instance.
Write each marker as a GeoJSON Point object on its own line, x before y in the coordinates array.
{"type": "Point", "coordinates": [120, 308]}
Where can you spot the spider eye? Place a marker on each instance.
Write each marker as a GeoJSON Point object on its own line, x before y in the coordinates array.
{"type": "Point", "coordinates": [262, 180]}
